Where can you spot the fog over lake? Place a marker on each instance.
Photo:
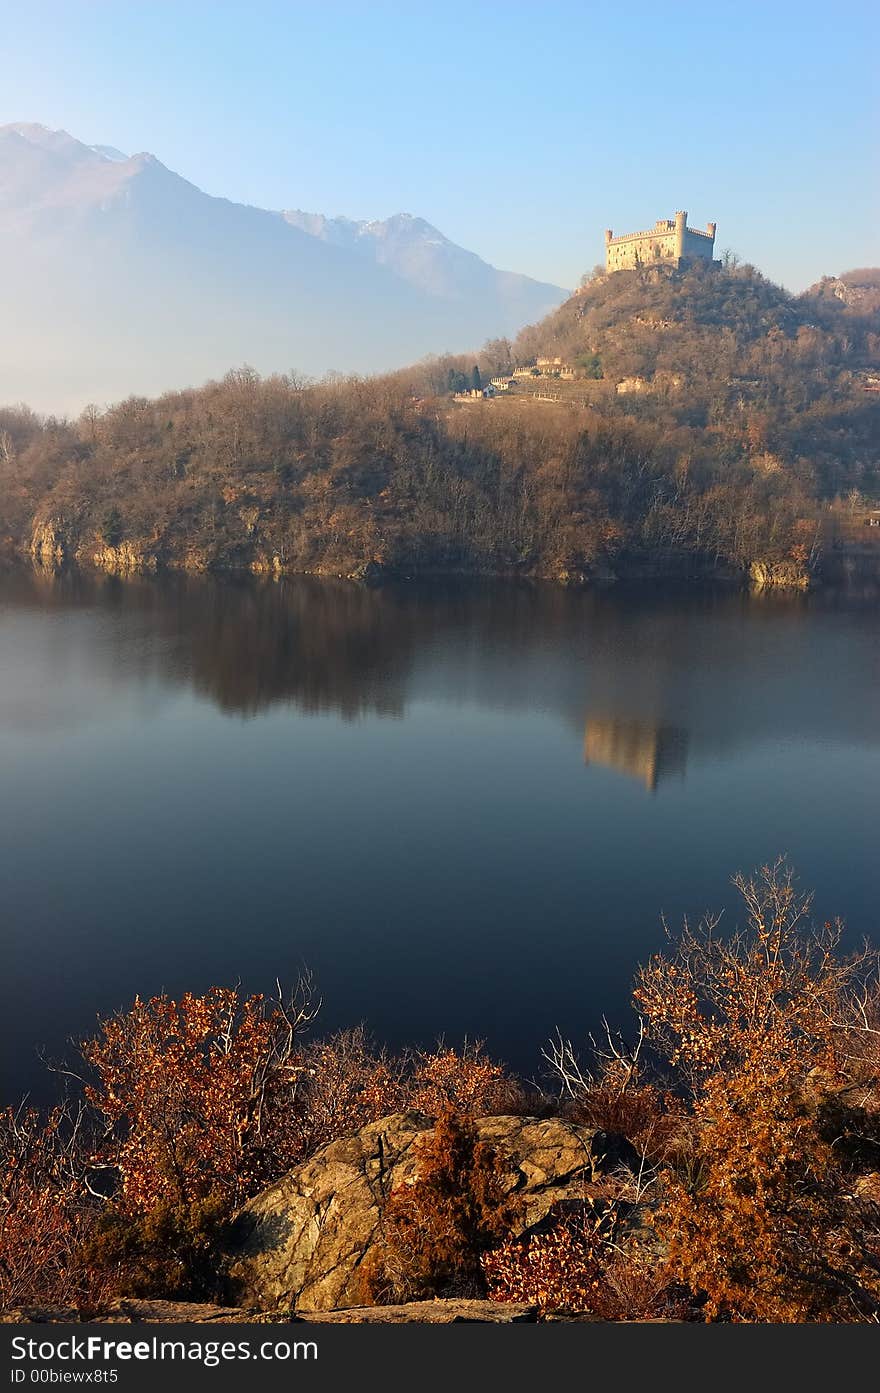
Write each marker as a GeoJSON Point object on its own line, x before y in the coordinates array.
{"type": "Point", "coordinates": [463, 807]}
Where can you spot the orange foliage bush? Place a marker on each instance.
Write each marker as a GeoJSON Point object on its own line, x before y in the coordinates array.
{"type": "Point", "coordinates": [761, 1224]}
{"type": "Point", "coordinates": [465, 1082]}
{"type": "Point", "coordinates": [345, 1083]}
{"type": "Point", "coordinates": [560, 1269]}
{"type": "Point", "coordinates": [581, 1263]}
{"type": "Point", "coordinates": [197, 1097]}
{"type": "Point", "coordinates": [45, 1212]}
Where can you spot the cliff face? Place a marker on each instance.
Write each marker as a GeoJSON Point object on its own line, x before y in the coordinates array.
{"type": "Point", "coordinates": [54, 542]}
{"type": "Point", "coordinates": [857, 292]}
{"type": "Point", "coordinates": [49, 544]}
{"type": "Point", "coordinates": [780, 575]}
{"type": "Point", "coordinates": [125, 559]}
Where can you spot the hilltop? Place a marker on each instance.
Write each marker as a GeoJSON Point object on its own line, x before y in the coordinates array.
{"type": "Point", "coordinates": [727, 354]}
{"type": "Point", "coordinates": [662, 318]}
{"type": "Point", "coordinates": [130, 278]}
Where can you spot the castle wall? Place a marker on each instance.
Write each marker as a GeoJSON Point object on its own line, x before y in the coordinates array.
{"type": "Point", "coordinates": [644, 249]}
{"type": "Point", "coordinates": [669, 241]}
{"type": "Point", "coordinates": [698, 244]}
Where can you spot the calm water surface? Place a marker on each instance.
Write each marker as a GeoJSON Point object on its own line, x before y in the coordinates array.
{"type": "Point", "coordinates": [464, 808]}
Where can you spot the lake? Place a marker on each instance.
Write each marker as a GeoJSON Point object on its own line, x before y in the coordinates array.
{"type": "Point", "coordinates": [463, 807]}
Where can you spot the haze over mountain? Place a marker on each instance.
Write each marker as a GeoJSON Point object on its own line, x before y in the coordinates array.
{"type": "Point", "coordinates": [421, 255]}
{"type": "Point", "coordinates": [120, 276]}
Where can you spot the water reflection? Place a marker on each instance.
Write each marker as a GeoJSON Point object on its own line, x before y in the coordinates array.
{"type": "Point", "coordinates": [653, 682]}
{"type": "Point", "coordinates": [647, 752]}
{"type": "Point", "coordinates": [210, 780]}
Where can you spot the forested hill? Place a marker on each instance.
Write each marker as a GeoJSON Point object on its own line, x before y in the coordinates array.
{"type": "Point", "coordinates": [699, 421]}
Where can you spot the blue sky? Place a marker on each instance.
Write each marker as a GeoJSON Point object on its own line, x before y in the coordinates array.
{"type": "Point", "coordinates": [521, 130]}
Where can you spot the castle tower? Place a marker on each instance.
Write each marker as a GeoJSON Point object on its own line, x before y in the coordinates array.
{"type": "Point", "coordinates": [680, 229]}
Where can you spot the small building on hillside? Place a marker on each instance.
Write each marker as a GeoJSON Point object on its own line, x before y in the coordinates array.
{"type": "Point", "coordinates": [554, 367]}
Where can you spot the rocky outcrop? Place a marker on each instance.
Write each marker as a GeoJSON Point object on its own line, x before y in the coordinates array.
{"type": "Point", "coordinates": [301, 1242]}
{"type": "Point", "coordinates": [49, 543]}
{"type": "Point", "coordinates": [368, 573]}
{"type": "Point", "coordinates": [125, 559]}
{"type": "Point", "coordinates": [783, 575]}
{"type": "Point", "coordinates": [263, 565]}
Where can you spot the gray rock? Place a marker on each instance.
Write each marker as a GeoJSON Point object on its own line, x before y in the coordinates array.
{"type": "Point", "coordinates": [300, 1243]}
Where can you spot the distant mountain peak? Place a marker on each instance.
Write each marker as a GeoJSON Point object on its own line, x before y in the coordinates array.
{"type": "Point", "coordinates": [421, 254]}
{"type": "Point", "coordinates": [407, 225]}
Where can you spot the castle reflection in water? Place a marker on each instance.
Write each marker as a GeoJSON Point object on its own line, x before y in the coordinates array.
{"type": "Point", "coordinates": [645, 751]}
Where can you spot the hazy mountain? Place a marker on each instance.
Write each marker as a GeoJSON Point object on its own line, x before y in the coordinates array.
{"type": "Point", "coordinates": [119, 276]}
{"type": "Point", "coordinates": [420, 254]}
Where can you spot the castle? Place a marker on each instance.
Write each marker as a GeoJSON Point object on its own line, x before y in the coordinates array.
{"type": "Point", "coordinates": [669, 241]}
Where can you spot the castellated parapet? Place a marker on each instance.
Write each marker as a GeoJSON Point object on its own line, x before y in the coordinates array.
{"type": "Point", "coordinates": [670, 242]}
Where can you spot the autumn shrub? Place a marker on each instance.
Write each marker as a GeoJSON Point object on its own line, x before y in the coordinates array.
{"type": "Point", "coordinates": [762, 1223]}
{"type": "Point", "coordinates": [46, 1211]}
{"type": "Point", "coordinates": [197, 1097]}
{"type": "Point", "coordinates": [436, 1227]}
{"type": "Point", "coordinates": [197, 1106]}
{"type": "Point", "coordinates": [580, 1263]}
{"type": "Point", "coordinates": [617, 1095]}
{"type": "Point", "coordinates": [346, 1082]}
{"type": "Point", "coordinates": [465, 1081]}
{"type": "Point", "coordinates": [171, 1250]}
{"type": "Point", "coordinates": [559, 1269]}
